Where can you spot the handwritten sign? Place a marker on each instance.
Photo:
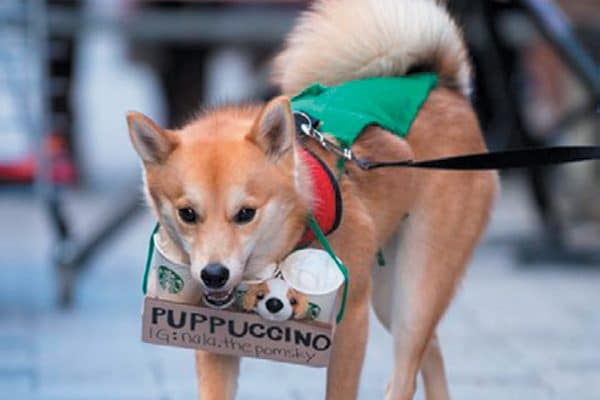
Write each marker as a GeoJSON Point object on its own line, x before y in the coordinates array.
{"type": "Point", "coordinates": [236, 333]}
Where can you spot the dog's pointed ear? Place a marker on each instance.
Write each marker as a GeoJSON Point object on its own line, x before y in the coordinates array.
{"type": "Point", "coordinates": [152, 143]}
{"type": "Point", "coordinates": [274, 131]}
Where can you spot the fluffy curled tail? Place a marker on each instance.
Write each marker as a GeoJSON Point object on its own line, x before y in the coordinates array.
{"type": "Point", "coordinates": [340, 40]}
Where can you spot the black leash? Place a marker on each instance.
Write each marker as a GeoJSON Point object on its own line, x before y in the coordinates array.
{"type": "Point", "coordinates": [530, 157]}
{"type": "Point", "coordinates": [519, 158]}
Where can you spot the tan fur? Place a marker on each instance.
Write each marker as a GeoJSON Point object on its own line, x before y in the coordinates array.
{"type": "Point", "coordinates": [233, 157]}
{"type": "Point", "coordinates": [217, 168]}
{"type": "Point", "coordinates": [342, 40]}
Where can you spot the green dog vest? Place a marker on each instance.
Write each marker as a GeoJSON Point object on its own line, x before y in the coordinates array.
{"type": "Point", "coordinates": [345, 110]}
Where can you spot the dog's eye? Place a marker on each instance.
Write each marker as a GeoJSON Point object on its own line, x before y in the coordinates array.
{"type": "Point", "coordinates": [260, 296]}
{"type": "Point", "coordinates": [244, 216]}
{"type": "Point", "coordinates": [293, 301]}
{"type": "Point", "coordinates": [187, 215]}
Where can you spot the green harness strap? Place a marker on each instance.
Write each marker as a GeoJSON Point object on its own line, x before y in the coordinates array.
{"type": "Point", "coordinates": [325, 243]}
{"type": "Point", "coordinates": [346, 109]}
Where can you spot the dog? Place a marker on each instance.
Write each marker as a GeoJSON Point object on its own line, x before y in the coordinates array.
{"type": "Point", "coordinates": [232, 193]}
{"type": "Point", "coordinates": [275, 300]}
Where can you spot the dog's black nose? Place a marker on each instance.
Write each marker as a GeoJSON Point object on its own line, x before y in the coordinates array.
{"type": "Point", "coordinates": [274, 305]}
{"type": "Point", "coordinates": [214, 275]}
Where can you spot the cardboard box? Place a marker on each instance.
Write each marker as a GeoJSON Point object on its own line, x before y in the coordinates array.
{"type": "Point", "coordinates": [236, 333]}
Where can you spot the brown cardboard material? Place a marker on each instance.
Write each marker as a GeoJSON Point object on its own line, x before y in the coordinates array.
{"type": "Point", "coordinates": [236, 333]}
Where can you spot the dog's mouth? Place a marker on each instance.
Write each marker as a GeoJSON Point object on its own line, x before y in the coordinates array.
{"type": "Point", "coordinates": [219, 299]}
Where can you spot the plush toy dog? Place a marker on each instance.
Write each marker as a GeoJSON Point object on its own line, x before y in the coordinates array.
{"type": "Point", "coordinates": [275, 300]}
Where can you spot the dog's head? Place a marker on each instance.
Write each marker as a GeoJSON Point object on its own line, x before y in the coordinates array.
{"type": "Point", "coordinates": [226, 188]}
{"type": "Point", "coordinates": [275, 300]}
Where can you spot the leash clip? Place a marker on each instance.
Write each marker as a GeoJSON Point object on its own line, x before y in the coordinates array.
{"type": "Point", "coordinates": [309, 130]}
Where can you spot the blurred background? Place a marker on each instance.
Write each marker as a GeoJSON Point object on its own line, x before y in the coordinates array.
{"type": "Point", "coordinates": [73, 231]}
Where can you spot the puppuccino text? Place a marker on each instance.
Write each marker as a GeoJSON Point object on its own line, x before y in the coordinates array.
{"type": "Point", "coordinates": [214, 331]}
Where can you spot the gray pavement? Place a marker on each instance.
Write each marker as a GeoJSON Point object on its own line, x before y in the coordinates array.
{"type": "Point", "coordinates": [511, 333]}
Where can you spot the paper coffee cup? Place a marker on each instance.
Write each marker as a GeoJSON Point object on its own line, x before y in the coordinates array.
{"type": "Point", "coordinates": [314, 273]}
{"type": "Point", "coordinates": [169, 280]}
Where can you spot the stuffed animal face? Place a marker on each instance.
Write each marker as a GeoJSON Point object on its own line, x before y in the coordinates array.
{"type": "Point", "coordinates": [275, 300]}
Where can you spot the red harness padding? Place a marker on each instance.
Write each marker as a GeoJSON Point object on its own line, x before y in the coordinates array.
{"type": "Point", "coordinates": [327, 198]}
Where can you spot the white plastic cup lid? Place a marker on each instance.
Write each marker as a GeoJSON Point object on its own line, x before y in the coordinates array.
{"type": "Point", "coordinates": [312, 271]}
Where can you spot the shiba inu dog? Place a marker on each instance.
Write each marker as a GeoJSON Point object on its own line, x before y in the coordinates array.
{"type": "Point", "coordinates": [233, 194]}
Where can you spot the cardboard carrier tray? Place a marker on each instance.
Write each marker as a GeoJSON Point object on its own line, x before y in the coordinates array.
{"type": "Point", "coordinates": [236, 333]}
{"type": "Point", "coordinates": [174, 313]}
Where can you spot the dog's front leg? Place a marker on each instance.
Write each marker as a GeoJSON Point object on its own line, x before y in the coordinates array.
{"type": "Point", "coordinates": [354, 247]}
{"type": "Point", "coordinates": [217, 375]}
{"type": "Point", "coordinates": [348, 352]}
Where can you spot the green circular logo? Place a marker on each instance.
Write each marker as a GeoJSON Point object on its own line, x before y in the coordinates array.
{"type": "Point", "coordinates": [313, 311]}
{"type": "Point", "coordinates": [169, 280]}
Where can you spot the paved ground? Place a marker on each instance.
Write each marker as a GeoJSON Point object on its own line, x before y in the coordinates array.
{"type": "Point", "coordinates": [512, 333]}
